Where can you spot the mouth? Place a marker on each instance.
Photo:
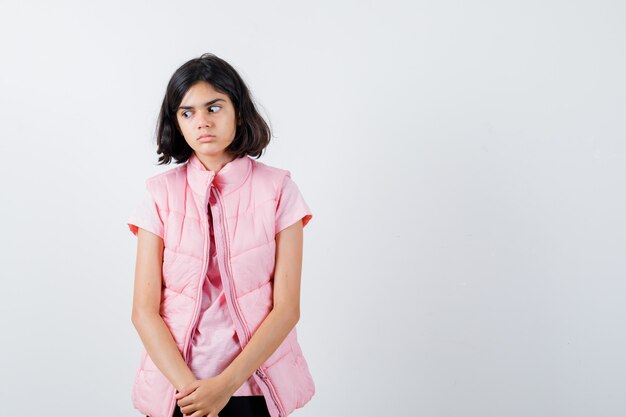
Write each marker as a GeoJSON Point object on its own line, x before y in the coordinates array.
{"type": "Point", "coordinates": [205, 138]}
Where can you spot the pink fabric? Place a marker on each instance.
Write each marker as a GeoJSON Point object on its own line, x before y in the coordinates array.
{"type": "Point", "coordinates": [146, 215]}
{"type": "Point", "coordinates": [249, 200]}
{"type": "Point", "coordinates": [214, 343]}
{"type": "Point", "coordinates": [291, 208]}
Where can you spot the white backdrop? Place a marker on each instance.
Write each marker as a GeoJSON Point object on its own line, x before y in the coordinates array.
{"type": "Point", "coordinates": [465, 163]}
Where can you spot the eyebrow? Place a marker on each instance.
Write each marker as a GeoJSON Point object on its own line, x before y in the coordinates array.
{"type": "Point", "coordinates": [208, 103]}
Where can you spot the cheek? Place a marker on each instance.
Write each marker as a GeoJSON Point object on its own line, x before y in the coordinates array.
{"type": "Point", "coordinates": [233, 122]}
{"type": "Point", "coordinates": [183, 127]}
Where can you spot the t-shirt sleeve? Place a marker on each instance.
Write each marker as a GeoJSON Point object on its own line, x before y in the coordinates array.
{"type": "Point", "coordinates": [291, 206]}
{"type": "Point", "coordinates": [146, 216]}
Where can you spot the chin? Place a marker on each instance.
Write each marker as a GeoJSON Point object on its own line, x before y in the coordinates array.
{"type": "Point", "coordinates": [210, 152]}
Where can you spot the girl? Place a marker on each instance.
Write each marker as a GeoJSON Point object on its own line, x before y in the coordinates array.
{"type": "Point", "coordinates": [219, 257]}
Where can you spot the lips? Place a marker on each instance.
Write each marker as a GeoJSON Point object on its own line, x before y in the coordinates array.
{"type": "Point", "coordinates": [206, 138]}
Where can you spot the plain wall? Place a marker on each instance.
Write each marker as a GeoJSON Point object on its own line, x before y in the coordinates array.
{"type": "Point", "coordinates": [464, 163]}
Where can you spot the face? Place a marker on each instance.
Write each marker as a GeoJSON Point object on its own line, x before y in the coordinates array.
{"type": "Point", "coordinates": [207, 121]}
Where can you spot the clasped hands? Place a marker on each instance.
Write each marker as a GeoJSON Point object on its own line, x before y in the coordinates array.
{"type": "Point", "coordinates": [204, 397]}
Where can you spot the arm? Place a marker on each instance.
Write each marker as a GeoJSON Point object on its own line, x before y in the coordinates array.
{"type": "Point", "coordinates": [285, 312]}
{"type": "Point", "coordinates": [205, 396]}
{"type": "Point", "coordinates": [152, 330]}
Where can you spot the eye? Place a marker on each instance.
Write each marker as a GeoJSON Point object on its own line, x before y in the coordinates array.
{"type": "Point", "coordinates": [214, 107]}
{"type": "Point", "coordinates": [185, 114]}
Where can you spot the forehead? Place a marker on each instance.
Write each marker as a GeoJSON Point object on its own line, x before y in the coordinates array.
{"type": "Point", "coordinates": [201, 92]}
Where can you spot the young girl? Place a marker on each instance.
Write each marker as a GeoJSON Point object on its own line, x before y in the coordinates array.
{"type": "Point", "coordinates": [219, 257]}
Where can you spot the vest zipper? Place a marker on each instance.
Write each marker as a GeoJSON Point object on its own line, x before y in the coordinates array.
{"type": "Point", "coordinates": [205, 265]}
{"type": "Point", "coordinates": [196, 313]}
{"type": "Point", "coordinates": [265, 379]}
{"type": "Point", "coordinates": [229, 277]}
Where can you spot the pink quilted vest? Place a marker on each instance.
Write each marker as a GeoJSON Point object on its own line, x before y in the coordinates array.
{"type": "Point", "coordinates": [243, 199]}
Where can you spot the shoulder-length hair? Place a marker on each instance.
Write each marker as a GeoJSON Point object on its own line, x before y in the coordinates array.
{"type": "Point", "coordinates": [253, 133]}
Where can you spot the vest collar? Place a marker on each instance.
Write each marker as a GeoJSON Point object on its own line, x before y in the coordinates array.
{"type": "Point", "coordinates": [229, 178]}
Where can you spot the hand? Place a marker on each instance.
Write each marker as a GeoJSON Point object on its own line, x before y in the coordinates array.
{"type": "Point", "coordinates": [204, 397]}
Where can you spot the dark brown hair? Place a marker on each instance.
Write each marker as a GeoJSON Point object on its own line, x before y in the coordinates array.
{"type": "Point", "coordinates": [253, 133]}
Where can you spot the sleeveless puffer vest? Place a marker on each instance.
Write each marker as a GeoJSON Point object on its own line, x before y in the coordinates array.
{"type": "Point", "coordinates": [243, 199]}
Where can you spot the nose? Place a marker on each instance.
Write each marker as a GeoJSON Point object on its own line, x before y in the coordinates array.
{"type": "Point", "coordinates": [204, 120]}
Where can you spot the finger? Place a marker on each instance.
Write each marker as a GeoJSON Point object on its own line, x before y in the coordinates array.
{"type": "Point", "coordinates": [186, 401]}
{"type": "Point", "coordinates": [187, 411]}
{"type": "Point", "coordinates": [198, 413]}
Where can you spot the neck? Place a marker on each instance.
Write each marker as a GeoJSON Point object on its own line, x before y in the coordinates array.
{"type": "Point", "coordinates": [215, 163]}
